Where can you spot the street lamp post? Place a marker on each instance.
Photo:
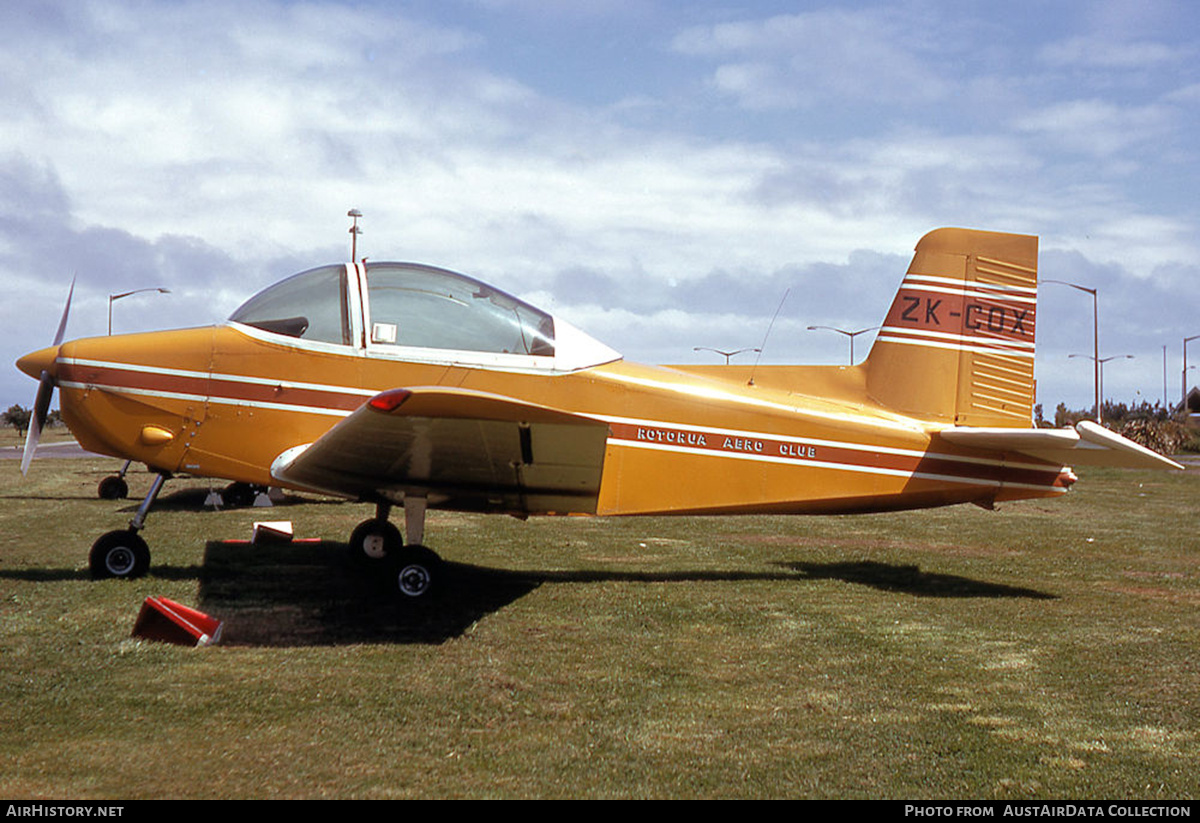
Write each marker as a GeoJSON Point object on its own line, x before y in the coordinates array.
{"type": "Point", "coordinates": [850, 334]}
{"type": "Point", "coordinates": [1095, 337]}
{"type": "Point", "coordinates": [1183, 410]}
{"type": "Point", "coordinates": [113, 297]}
{"type": "Point", "coordinates": [1100, 377]}
{"type": "Point", "coordinates": [1183, 396]}
{"type": "Point", "coordinates": [725, 354]}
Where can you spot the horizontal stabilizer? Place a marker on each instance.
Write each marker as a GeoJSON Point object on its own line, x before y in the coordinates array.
{"type": "Point", "coordinates": [1088, 444]}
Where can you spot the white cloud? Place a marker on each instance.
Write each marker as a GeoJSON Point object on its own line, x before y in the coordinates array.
{"type": "Point", "coordinates": [1109, 52]}
{"type": "Point", "coordinates": [1186, 95]}
{"type": "Point", "coordinates": [800, 59]}
{"type": "Point", "coordinates": [1098, 128]}
{"type": "Point", "coordinates": [207, 104]}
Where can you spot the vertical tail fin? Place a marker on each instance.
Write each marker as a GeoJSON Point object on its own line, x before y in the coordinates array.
{"type": "Point", "coordinates": [957, 344]}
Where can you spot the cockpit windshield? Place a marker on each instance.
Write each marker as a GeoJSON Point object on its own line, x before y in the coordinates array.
{"type": "Point", "coordinates": [405, 305]}
{"type": "Point", "coordinates": [411, 305]}
{"type": "Point", "coordinates": [310, 305]}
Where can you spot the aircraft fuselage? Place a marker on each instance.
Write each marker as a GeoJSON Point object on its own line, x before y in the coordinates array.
{"type": "Point", "coordinates": [221, 402]}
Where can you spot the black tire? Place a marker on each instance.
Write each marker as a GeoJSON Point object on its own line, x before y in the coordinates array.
{"type": "Point", "coordinates": [238, 496]}
{"type": "Point", "coordinates": [418, 572]}
{"type": "Point", "coordinates": [374, 540]}
{"type": "Point", "coordinates": [113, 488]}
{"type": "Point", "coordinates": [120, 554]}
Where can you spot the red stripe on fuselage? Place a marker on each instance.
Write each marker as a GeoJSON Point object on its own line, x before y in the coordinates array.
{"type": "Point", "coordinates": [217, 389]}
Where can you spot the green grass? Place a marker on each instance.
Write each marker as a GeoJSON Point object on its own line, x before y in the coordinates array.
{"type": "Point", "coordinates": [1045, 650]}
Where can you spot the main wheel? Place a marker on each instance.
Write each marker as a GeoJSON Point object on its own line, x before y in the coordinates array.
{"type": "Point", "coordinates": [418, 571]}
{"type": "Point", "coordinates": [373, 540]}
{"type": "Point", "coordinates": [113, 487]}
{"type": "Point", "coordinates": [238, 496]}
{"type": "Point", "coordinates": [119, 554]}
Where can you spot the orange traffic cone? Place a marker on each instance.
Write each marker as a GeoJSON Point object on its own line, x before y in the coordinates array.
{"type": "Point", "coordinates": [170, 622]}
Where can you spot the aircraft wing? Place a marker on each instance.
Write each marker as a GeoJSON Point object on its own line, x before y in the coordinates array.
{"type": "Point", "coordinates": [1088, 444]}
{"type": "Point", "coordinates": [480, 450]}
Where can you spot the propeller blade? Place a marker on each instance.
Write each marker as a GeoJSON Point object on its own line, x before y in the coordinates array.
{"type": "Point", "coordinates": [46, 384]}
{"type": "Point", "coordinates": [41, 407]}
{"type": "Point", "coordinates": [62, 324]}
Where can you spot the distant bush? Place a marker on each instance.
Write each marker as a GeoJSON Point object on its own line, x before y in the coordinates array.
{"type": "Point", "coordinates": [1115, 414]}
{"type": "Point", "coordinates": [18, 417]}
{"type": "Point", "coordinates": [1163, 436]}
{"type": "Point", "coordinates": [1151, 425]}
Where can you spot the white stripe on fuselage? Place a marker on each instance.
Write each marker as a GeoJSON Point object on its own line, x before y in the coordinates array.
{"type": "Point", "coordinates": [705, 392]}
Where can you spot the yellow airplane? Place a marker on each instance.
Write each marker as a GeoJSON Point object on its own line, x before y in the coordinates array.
{"type": "Point", "coordinates": [402, 384]}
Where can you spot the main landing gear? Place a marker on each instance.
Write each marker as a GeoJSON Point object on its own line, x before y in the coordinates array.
{"type": "Point", "coordinates": [123, 553]}
{"type": "Point", "coordinates": [414, 569]}
{"type": "Point", "coordinates": [241, 495]}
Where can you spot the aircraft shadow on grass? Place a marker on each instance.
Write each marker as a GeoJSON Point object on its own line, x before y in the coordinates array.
{"type": "Point", "coordinates": [310, 594]}
{"type": "Point", "coordinates": [911, 580]}
{"type": "Point", "coordinates": [196, 499]}
{"type": "Point", "coordinates": [304, 594]}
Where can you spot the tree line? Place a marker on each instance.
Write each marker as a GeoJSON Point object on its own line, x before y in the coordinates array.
{"type": "Point", "coordinates": [18, 417]}
{"type": "Point", "coordinates": [1155, 426]}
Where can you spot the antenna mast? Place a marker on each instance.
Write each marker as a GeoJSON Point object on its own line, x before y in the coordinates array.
{"type": "Point", "coordinates": [355, 231]}
{"type": "Point", "coordinates": [770, 326]}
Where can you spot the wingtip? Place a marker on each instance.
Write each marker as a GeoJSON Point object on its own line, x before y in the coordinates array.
{"type": "Point", "coordinates": [1106, 438]}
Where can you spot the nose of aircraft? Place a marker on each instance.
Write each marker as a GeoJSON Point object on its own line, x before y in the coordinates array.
{"type": "Point", "coordinates": [34, 363]}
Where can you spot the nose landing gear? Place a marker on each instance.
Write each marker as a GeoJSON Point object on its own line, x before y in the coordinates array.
{"type": "Point", "coordinates": [123, 553]}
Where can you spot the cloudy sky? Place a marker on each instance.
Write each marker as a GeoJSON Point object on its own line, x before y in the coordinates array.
{"type": "Point", "coordinates": [658, 173]}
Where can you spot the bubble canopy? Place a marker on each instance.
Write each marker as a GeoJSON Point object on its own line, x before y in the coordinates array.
{"type": "Point", "coordinates": [390, 307]}
{"type": "Point", "coordinates": [311, 305]}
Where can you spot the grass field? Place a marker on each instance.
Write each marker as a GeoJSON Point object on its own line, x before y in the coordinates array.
{"type": "Point", "coordinates": [1045, 650]}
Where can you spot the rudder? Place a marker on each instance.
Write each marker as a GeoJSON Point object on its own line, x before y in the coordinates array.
{"type": "Point", "coordinates": [957, 344]}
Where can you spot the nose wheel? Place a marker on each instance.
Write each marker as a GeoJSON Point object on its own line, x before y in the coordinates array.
{"type": "Point", "coordinates": [123, 554]}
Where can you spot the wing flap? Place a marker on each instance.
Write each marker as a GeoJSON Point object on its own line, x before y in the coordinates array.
{"type": "Point", "coordinates": [1088, 444]}
{"type": "Point", "coordinates": [477, 450]}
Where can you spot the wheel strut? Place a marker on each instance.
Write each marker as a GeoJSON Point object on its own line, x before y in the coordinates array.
{"type": "Point", "coordinates": [139, 518]}
{"type": "Point", "coordinates": [414, 518]}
